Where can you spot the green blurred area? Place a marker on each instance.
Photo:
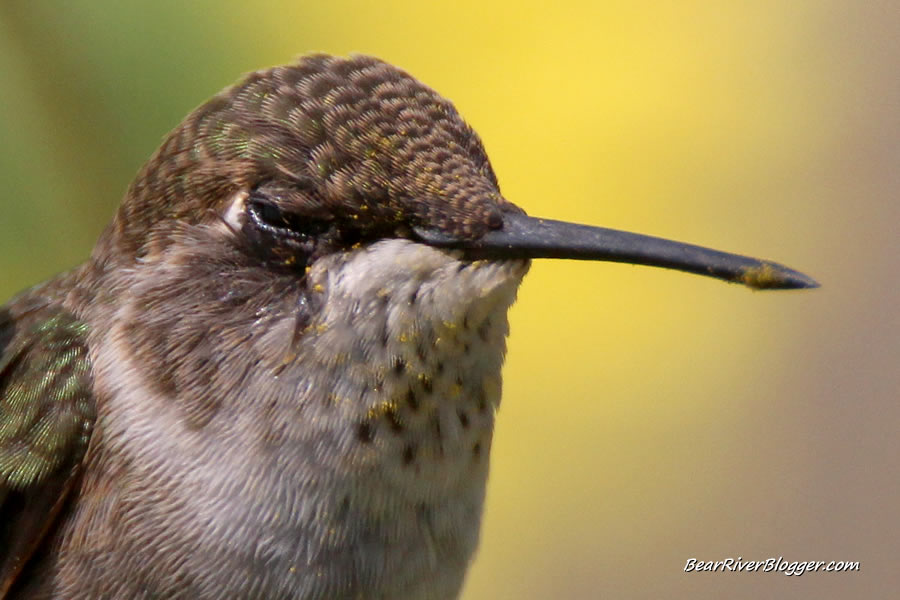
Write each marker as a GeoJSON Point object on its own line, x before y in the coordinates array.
{"type": "Point", "coordinates": [648, 417]}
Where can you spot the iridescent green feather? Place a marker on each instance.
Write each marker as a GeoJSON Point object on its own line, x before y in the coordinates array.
{"type": "Point", "coordinates": [46, 408]}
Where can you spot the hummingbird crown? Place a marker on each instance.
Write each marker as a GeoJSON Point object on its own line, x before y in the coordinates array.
{"type": "Point", "coordinates": [341, 150]}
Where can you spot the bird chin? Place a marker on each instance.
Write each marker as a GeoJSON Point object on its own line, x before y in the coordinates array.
{"type": "Point", "coordinates": [442, 285]}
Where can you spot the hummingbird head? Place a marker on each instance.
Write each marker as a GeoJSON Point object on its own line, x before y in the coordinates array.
{"type": "Point", "coordinates": [311, 158]}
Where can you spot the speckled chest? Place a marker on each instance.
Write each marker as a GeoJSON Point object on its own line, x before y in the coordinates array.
{"type": "Point", "coordinates": [413, 352]}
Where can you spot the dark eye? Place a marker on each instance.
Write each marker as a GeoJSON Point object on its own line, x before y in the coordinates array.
{"type": "Point", "coordinates": [268, 217]}
{"type": "Point", "coordinates": [282, 238]}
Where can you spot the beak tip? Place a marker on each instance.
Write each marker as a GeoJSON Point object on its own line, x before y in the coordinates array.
{"type": "Point", "coordinates": [809, 283]}
{"type": "Point", "coordinates": [772, 276]}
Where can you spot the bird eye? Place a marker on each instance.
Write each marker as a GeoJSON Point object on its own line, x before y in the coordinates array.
{"type": "Point", "coordinates": [283, 238]}
{"type": "Point", "coordinates": [267, 216]}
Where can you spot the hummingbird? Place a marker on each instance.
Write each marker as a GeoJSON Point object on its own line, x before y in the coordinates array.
{"type": "Point", "coordinates": [277, 374]}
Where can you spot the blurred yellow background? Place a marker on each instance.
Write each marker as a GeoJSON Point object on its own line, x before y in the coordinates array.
{"type": "Point", "coordinates": [649, 416]}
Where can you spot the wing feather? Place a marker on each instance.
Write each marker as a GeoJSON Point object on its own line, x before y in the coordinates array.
{"type": "Point", "coordinates": [47, 413]}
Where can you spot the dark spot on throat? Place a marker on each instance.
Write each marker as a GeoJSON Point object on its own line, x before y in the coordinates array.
{"type": "Point", "coordinates": [398, 365]}
{"type": "Point", "coordinates": [365, 433]}
{"type": "Point", "coordinates": [411, 400]}
{"type": "Point", "coordinates": [409, 454]}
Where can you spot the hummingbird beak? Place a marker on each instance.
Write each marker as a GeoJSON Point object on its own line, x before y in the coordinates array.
{"type": "Point", "coordinates": [527, 237]}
